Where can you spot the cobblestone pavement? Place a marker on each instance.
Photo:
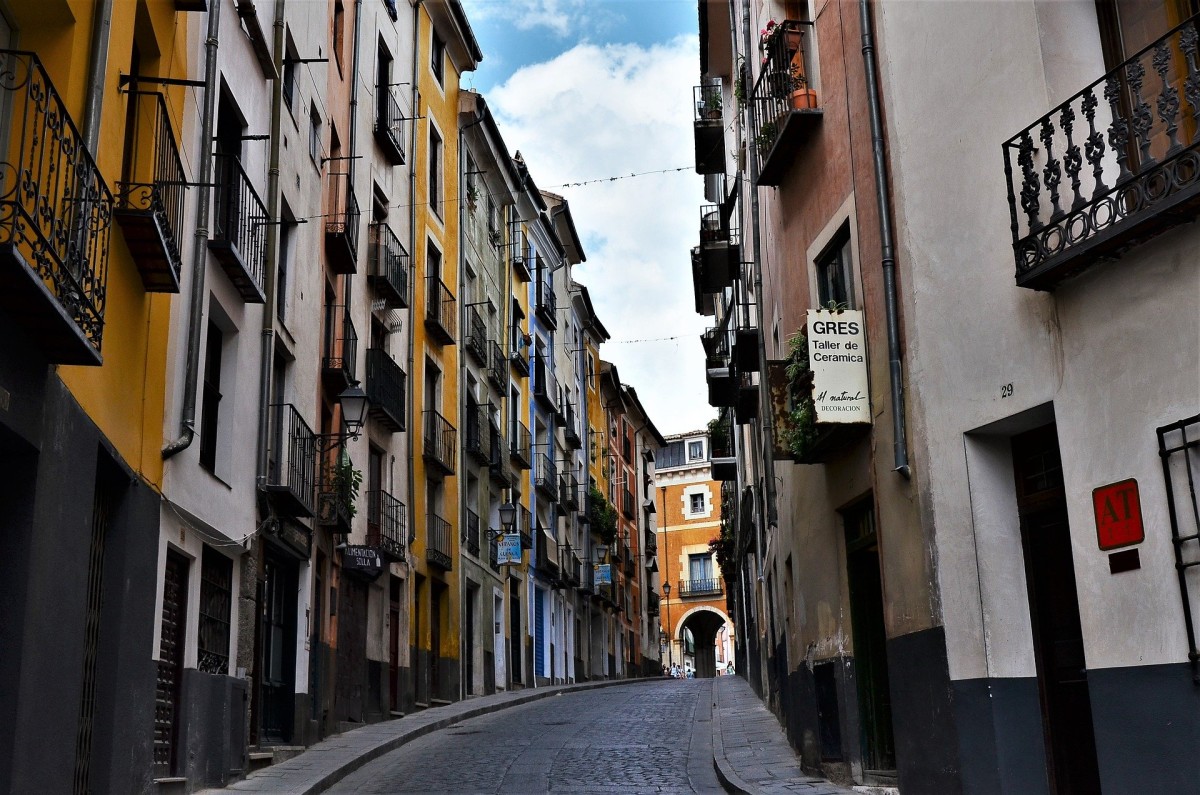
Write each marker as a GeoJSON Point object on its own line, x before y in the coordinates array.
{"type": "Point", "coordinates": [645, 737]}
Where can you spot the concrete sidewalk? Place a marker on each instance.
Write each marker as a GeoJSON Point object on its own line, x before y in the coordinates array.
{"type": "Point", "coordinates": [750, 750]}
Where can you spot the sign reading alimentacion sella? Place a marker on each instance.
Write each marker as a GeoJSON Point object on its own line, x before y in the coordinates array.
{"type": "Point", "coordinates": [837, 356]}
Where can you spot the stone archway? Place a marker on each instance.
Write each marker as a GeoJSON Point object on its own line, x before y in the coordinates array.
{"type": "Point", "coordinates": [704, 623]}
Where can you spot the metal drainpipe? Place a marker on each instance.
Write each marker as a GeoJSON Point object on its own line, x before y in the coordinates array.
{"type": "Point", "coordinates": [462, 380]}
{"type": "Point", "coordinates": [267, 352]}
{"type": "Point", "coordinates": [410, 410]}
{"type": "Point", "coordinates": [354, 102]}
{"type": "Point", "coordinates": [887, 252]}
{"type": "Point", "coordinates": [187, 418]}
{"type": "Point", "coordinates": [97, 70]}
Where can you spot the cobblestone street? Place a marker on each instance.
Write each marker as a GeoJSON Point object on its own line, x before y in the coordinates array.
{"type": "Point", "coordinates": [646, 737]}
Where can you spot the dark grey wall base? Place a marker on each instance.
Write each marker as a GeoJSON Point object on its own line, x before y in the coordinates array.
{"type": "Point", "coordinates": [923, 714]}
{"type": "Point", "coordinates": [1000, 736]}
{"type": "Point", "coordinates": [213, 716]}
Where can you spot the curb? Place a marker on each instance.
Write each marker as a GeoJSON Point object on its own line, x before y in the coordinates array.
{"type": "Point", "coordinates": [729, 779]}
{"type": "Point", "coordinates": [370, 754]}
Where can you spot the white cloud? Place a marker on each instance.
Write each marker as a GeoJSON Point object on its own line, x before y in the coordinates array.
{"type": "Point", "coordinates": [600, 111]}
{"type": "Point", "coordinates": [560, 17]}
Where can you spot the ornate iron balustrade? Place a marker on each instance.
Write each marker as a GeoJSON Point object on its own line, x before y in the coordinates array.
{"type": "Point", "coordinates": [705, 587]}
{"type": "Point", "coordinates": [388, 263]}
{"type": "Point", "coordinates": [477, 336]}
{"type": "Point", "coordinates": [339, 358]}
{"type": "Point", "coordinates": [240, 221]}
{"type": "Point", "coordinates": [55, 218]}
{"type": "Point", "coordinates": [440, 443]}
{"type": "Point", "coordinates": [437, 542]}
{"type": "Point", "coordinates": [545, 303]}
{"type": "Point", "coordinates": [545, 475]}
{"type": "Point", "coordinates": [709, 128]}
{"type": "Point", "coordinates": [150, 198]}
{"type": "Point", "coordinates": [385, 523]}
{"type": "Point", "coordinates": [471, 533]}
{"type": "Point", "coordinates": [521, 447]}
{"type": "Point", "coordinates": [1117, 163]}
{"type": "Point", "coordinates": [389, 124]}
{"type": "Point", "coordinates": [477, 419]}
{"type": "Point", "coordinates": [782, 104]}
{"type": "Point", "coordinates": [497, 366]}
{"type": "Point", "coordinates": [440, 311]}
{"type": "Point", "coordinates": [291, 462]}
{"type": "Point", "coordinates": [341, 225]}
{"type": "Point", "coordinates": [386, 387]}
{"type": "Point", "coordinates": [545, 386]}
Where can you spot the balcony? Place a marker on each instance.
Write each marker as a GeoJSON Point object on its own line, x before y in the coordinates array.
{"type": "Point", "coordinates": [546, 555]}
{"type": "Point", "coordinates": [570, 566]}
{"type": "Point", "coordinates": [525, 523]}
{"type": "Point", "coordinates": [341, 225]}
{"type": "Point", "coordinates": [720, 250]}
{"type": "Point", "coordinates": [291, 462]}
{"type": "Point", "coordinates": [471, 533]}
{"type": "Point", "coordinates": [440, 311]}
{"type": "Point", "coordinates": [545, 386]}
{"type": "Point", "coordinates": [389, 124]}
{"type": "Point", "coordinates": [388, 265]}
{"type": "Point", "coordinates": [521, 447]}
{"type": "Point", "coordinates": [545, 476]}
{"type": "Point", "coordinates": [587, 580]}
{"type": "Point", "coordinates": [497, 367]}
{"type": "Point", "coordinates": [720, 448]}
{"type": "Point", "coordinates": [652, 603]}
{"type": "Point", "coordinates": [746, 407]}
{"type": "Point", "coordinates": [440, 445]}
{"type": "Point", "coordinates": [708, 124]}
{"type": "Point", "coordinates": [1113, 166]}
{"type": "Point", "coordinates": [494, 552]}
{"type": "Point", "coordinates": [386, 386]}
{"type": "Point", "coordinates": [722, 382]}
{"type": "Point", "coordinates": [705, 302]}
{"type": "Point", "coordinates": [340, 352]}
{"type": "Point", "coordinates": [335, 497]}
{"type": "Point", "coordinates": [240, 219]}
{"type": "Point", "coordinates": [570, 430]}
{"type": "Point", "coordinates": [499, 464]}
{"type": "Point", "coordinates": [520, 253]}
{"type": "Point", "coordinates": [745, 349]}
{"type": "Point", "coordinates": [519, 360]}
{"type": "Point", "coordinates": [544, 301]}
{"type": "Point", "coordinates": [628, 506]}
{"type": "Point", "coordinates": [628, 561]}
{"type": "Point", "coordinates": [437, 542]}
{"type": "Point", "coordinates": [476, 339]}
{"type": "Point", "coordinates": [568, 489]}
{"type": "Point", "coordinates": [54, 221]}
{"type": "Point", "coordinates": [783, 105]}
{"type": "Point", "coordinates": [386, 523]}
{"type": "Point", "coordinates": [710, 586]}
{"type": "Point", "coordinates": [477, 419]}
{"type": "Point", "coordinates": [150, 199]}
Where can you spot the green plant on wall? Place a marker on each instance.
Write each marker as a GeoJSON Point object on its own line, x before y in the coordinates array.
{"type": "Point", "coordinates": [718, 434]}
{"type": "Point", "coordinates": [345, 481]}
{"type": "Point", "coordinates": [602, 516]}
{"type": "Point", "coordinates": [799, 431]}
{"type": "Point", "coordinates": [766, 138]}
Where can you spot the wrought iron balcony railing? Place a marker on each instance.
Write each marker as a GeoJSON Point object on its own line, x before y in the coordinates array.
{"type": "Point", "coordinates": [55, 218]}
{"type": "Point", "coordinates": [497, 367]}
{"type": "Point", "coordinates": [569, 491]}
{"type": "Point", "coordinates": [493, 552]}
{"type": "Point", "coordinates": [652, 603]}
{"type": "Point", "coordinates": [709, 127]}
{"type": "Point", "coordinates": [704, 587]}
{"type": "Point", "coordinates": [545, 304]}
{"type": "Point", "coordinates": [720, 447]}
{"type": "Point", "coordinates": [440, 310]}
{"type": "Point", "coordinates": [477, 419]}
{"type": "Point", "coordinates": [545, 476]}
{"type": "Point", "coordinates": [438, 549]}
{"type": "Point", "coordinates": [570, 430]}
{"type": "Point", "coordinates": [386, 389]}
{"type": "Point", "coordinates": [150, 196]}
{"type": "Point", "coordinates": [335, 497]}
{"type": "Point", "coordinates": [388, 262]}
{"type": "Point", "coordinates": [499, 463]}
{"type": "Point", "coordinates": [546, 554]}
{"type": "Point", "coordinates": [720, 250]}
{"type": "Point", "coordinates": [341, 225]}
{"type": "Point", "coordinates": [628, 507]}
{"type": "Point", "coordinates": [389, 124]}
{"type": "Point", "coordinates": [521, 447]}
{"type": "Point", "coordinates": [783, 104]}
{"type": "Point", "coordinates": [519, 359]}
{"type": "Point", "coordinates": [545, 386]}
{"type": "Point", "coordinates": [471, 533]}
{"type": "Point", "coordinates": [520, 252]}
{"type": "Point", "coordinates": [240, 220]}
{"type": "Point", "coordinates": [291, 462]}
{"type": "Point", "coordinates": [339, 357]}
{"type": "Point", "coordinates": [440, 443]}
{"type": "Point", "coordinates": [1103, 171]}
{"type": "Point", "coordinates": [476, 340]}
{"type": "Point", "coordinates": [386, 523]}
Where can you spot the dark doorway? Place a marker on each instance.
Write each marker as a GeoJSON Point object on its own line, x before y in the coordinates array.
{"type": "Point", "coordinates": [278, 649]}
{"type": "Point", "coordinates": [1054, 612]}
{"type": "Point", "coordinates": [472, 606]}
{"type": "Point", "coordinates": [870, 644]}
{"type": "Point", "coordinates": [514, 631]}
{"type": "Point", "coordinates": [437, 598]}
{"type": "Point", "coordinates": [394, 646]}
{"type": "Point", "coordinates": [350, 689]}
{"type": "Point", "coordinates": [170, 665]}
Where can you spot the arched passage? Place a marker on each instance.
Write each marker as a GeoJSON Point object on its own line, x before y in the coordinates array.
{"type": "Point", "coordinates": [703, 623]}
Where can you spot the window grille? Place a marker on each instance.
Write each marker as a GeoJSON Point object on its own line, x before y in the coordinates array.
{"type": "Point", "coordinates": [216, 590]}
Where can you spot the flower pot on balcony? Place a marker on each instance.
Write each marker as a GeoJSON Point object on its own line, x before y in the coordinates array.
{"type": "Point", "coordinates": [804, 99]}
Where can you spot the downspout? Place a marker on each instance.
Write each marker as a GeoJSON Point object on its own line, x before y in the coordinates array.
{"type": "Point", "coordinates": [354, 99]}
{"type": "Point", "coordinates": [187, 419]}
{"type": "Point", "coordinates": [887, 252]}
{"type": "Point", "coordinates": [462, 380]}
{"type": "Point", "coordinates": [410, 409]}
{"type": "Point", "coordinates": [97, 70]}
{"type": "Point", "coordinates": [267, 352]}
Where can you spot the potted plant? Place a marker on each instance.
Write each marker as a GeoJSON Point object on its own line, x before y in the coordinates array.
{"type": "Point", "coordinates": [766, 138]}
{"type": "Point", "coordinates": [799, 432]}
{"type": "Point", "coordinates": [710, 105]}
{"type": "Point", "coordinates": [803, 97]}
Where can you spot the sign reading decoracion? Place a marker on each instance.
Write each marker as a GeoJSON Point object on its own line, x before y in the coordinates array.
{"type": "Point", "coordinates": [837, 355]}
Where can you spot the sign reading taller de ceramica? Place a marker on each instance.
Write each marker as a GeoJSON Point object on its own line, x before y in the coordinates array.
{"type": "Point", "coordinates": [837, 356]}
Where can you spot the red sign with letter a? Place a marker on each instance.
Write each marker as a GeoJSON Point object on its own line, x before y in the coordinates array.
{"type": "Point", "coordinates": [1118, 515]}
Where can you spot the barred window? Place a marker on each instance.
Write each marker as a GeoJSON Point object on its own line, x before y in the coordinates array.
{"type": "Point", "coordinates": [216, 591]}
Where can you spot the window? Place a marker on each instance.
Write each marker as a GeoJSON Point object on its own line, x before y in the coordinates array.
{"type": "Point", "coordinates": [437, 57]}
{"type": "Point", "coordinates": [696, 503]}
{"type": "Point", "coordinates": [671, 455]}
{"type": "Point", "coordinates": [314, 136]}
{"type": "Point", "coordinates": [700, 567]}
{"type": "Point", "coordinates": [696, 451]}
{"type": "Point", "coordinates": [339, 32]}
{"type": "Point", "coordinates": [834, 283]}
{"type": "Point", "coordinates": [210, 410]}
{"type": "Point", "coordinates": [216, 603]}
{"type": "Point", "coordinates": [287, 231]}
{"type": "Point", "coordinates": [435, 171]}
{"type": "Point", "coordinates": [289, 74]}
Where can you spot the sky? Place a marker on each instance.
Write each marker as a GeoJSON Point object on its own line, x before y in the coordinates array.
{"type": "Point", "coordinates": [593, 89]}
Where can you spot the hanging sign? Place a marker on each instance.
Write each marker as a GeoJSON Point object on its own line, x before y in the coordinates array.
{"type": "Point", "coordinates": [508, 550]}
{"type": "Point", "coordinates": [363, 560]}
{"type": "Point", "coordinates": [1118, 515]}
{"type": "Point", "coordinates": [603, 574]}
{"type": "Point", "coordinates": [837, 356]}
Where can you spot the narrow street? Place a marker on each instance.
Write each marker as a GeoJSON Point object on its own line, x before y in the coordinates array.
{"type": "Point", "coordinates": [638, 738]}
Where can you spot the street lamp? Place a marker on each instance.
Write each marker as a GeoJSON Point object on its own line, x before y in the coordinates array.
{"type": "Point", "coordinates": [508, 516]}
{"type": "Point", "coordinates": [353, 402]}
{"type": "Point", "coordinates": [670, 637]}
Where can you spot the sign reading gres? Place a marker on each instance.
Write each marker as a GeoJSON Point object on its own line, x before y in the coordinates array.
{"type": "Point", "coordinates": [837, 356]}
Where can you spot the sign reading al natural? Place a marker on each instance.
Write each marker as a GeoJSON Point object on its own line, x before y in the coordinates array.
{"type": "Point", "coordinates": [837, 356]}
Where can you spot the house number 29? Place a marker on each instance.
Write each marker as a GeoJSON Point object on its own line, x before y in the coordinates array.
{"type": "Point", "coordinates": [1006, 391]}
